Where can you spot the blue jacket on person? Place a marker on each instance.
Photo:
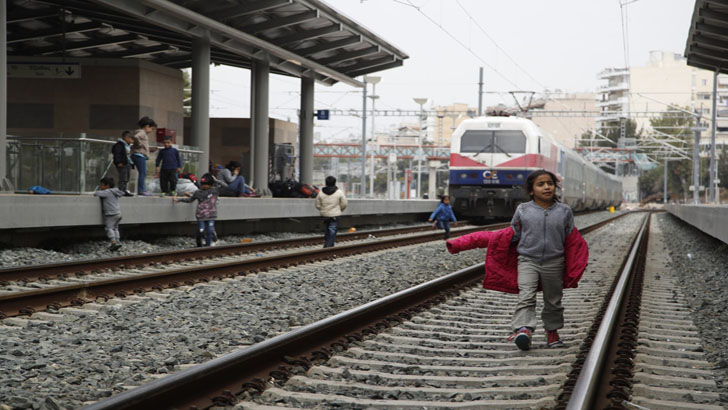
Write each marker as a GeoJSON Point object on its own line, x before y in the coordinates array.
{"type": "Point", "coordinates": [169, 158]}
{"type": "Point", "coordinates": [443, 213]}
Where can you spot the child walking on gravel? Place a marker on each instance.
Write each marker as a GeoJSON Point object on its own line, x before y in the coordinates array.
{"type": "Point", "coordinates": [206, 212]}
{"type": "Point", "coordinates": [443, 215]}
{"type": "Point", "coordinates": [111, 210]}
{"type": "Point", "coordinates": [541, 250]}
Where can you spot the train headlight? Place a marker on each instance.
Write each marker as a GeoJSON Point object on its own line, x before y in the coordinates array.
{"type": "Point", "coordinates": [463, 176]}
{"type": "Point", "coordinates": [520, 176]}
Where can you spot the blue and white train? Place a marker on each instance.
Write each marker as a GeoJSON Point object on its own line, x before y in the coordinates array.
{"type": "Point", "coordinates": [490, 158]}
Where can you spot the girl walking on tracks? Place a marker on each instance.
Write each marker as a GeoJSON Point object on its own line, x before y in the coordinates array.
{"type": "Point", "coordinates": [541, 250]}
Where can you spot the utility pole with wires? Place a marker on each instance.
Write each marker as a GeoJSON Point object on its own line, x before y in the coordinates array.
{"type": "Point", "coordinates": [480, 93]}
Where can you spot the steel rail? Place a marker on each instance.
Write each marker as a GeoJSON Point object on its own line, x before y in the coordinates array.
{"type": "Point", "coordinates": [35, 272]}
{"type": "Point", "coordinates": [590, 377]}
{"type": "Point", "coordinates": [225, 376]}
{"type": "Point", "coordinates": [28, 302]}
{"type": "Point", "coordinates": [184, 388]}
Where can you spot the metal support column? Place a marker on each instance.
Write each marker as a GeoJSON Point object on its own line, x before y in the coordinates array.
{"type": "Point", "coordinates": [480, 93]}
{"type": "Point", "coordinates": [306, 131]}
{"type": "Point", "coordinates": [3, 93]}
{"type": "Point", "coordinates": [201, 101]}
{"type": "Point", "coordinates": [364, 143]}
{"type": "Point", "coordinates": [260, 127]}
{"type": "Point", "coordinates": [712, 171]}
{"type": "Point", "coordinates": [696, 162]}
{"type": "Point", "coordinates": [664, 184]}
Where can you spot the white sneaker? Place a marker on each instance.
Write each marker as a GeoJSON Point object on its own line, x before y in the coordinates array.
{"type": "Point", "coordinates": [213, 243]}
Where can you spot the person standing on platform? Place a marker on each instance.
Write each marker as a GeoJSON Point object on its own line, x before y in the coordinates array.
{"type": "Point", "coordinates": [168, 166]}
{"type": "Point", "coordinates": [121, 152]}
{"type": "Point", "coordinates": [110, 210]}
{"type": "Point", "coordinates": [331, 202]}
{"type": "Point", "coordinates": [443, 215]}
{"type": "Point", "coordinates": [206, 211]}
{"type": "Point", "coordinates": [140, 152]}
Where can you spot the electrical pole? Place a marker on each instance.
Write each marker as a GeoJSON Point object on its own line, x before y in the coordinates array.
{"type": "Point", "coordinates": [696, 161]}
{"type": "Point", "coordinates": [364, 143]}
{"type": "Point", "coordinates": [480, 93]}
{"type": "Point", "coordinates": [713, 188]}
{"type": "Point", "coordinates": [421, 102]}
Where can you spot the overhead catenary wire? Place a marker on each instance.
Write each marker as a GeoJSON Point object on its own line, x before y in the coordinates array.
{"type": "Point", "coordinates": [469, 49]}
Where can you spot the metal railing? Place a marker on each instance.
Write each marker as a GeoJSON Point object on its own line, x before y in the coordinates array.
{"type": "Point", "coordinates": [71, 165]}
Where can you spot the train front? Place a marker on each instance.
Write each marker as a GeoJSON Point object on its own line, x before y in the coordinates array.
{"type": "Point", "coordinates": [490, 158]}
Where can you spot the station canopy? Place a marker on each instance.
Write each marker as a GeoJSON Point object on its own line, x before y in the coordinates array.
{"type": "Point", "coordinates": [300, 38]}
{"type": "Point", "coordinates": [707, 45]}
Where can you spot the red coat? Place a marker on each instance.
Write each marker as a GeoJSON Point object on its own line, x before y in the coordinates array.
{"type": "Point", "coordinates": [501, 260]}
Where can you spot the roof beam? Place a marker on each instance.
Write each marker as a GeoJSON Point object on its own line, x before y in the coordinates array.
{"type": "Point", "coordinates": [82, 45]}
{"type": "Point", "coordinates": [380, 67]}
{"type": "Point", "coordinates": [712, 14]}
{"type": "Point", "coordinates": [709, 53]}
{"type": "Point", "coordinates": [349, 55]}
{"type": "Point", "coordinates": [706, 63]}
{"type": "Point", "coordinates": [328, 46]}
{"type": "Point", "coordinates": [281, 22]}
{"type": "Point", "coordinates": [56, 31]}
{"type": "Point", "coordinates": [306, 35]}
{"type": "Point", "coordinates": [711, 29]}
{"type": "Point", "coordinates": [368, 63]}
{"type": "Point", "coordinates": [25, 15]}
{"type": "Point", "coordinates": [139, 51]}
{"type": "Point", "coordinates": [710, 42]}
{"type": "Point", "coordinates": [251, 7]}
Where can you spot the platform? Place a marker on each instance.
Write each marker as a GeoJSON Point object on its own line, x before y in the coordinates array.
{"type": "Point", "coordinates": [711, 219]}
{"type": "Point", "coordinates": [29, 220]}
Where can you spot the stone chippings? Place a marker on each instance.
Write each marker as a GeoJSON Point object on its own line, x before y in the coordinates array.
{"type": "Point", "coordinates": [700, 262]}
{"type": "Point", "coordinates": [86, 358]}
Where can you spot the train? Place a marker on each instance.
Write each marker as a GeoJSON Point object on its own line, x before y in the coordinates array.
{"type": "Point", "coordinates": [490, 158]}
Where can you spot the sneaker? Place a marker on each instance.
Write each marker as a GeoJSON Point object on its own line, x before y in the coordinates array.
{"type": "Point", "coordinates": [144, 194]}
{"type": "Point", "coordinates": [115, 247]}
{"type": "Point", "coordinates": [127, 193]}
{"type": "Point", "coordinates": [213, 243]}
{"type": "Point", "coordinates": [553, 339]}
{"type": "Point", "coordinates": [522, 338]}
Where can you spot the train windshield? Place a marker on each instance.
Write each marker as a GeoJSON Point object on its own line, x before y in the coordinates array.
{"type": "Point", "coordinates": [493, 142]}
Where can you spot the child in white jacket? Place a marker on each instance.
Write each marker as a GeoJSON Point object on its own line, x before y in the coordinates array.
{"type": "Point", "coordinates": [331, 202]}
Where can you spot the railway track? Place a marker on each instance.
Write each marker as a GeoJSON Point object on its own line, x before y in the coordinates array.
{"type": "Point", "coordinates": [51, 287]}
{"type": "Point", "coordinates": [424, 349]}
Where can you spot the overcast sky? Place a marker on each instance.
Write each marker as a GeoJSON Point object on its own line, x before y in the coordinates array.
{"type": "Point", "coordinates": [528, 45]}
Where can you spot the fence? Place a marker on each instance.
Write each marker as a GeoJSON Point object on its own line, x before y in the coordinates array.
{"type": "Point", "coordinates": [71, 165]}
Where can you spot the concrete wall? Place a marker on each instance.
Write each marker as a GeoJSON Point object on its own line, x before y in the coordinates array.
{"type": "Point", "coordinates": [712, 220]}
{"type": "Point", "coordinates": [230, 139]}
{"type": "Point", "coordinates": [110, 96]}
{"type": "Point", "coordinates": [43, 219]}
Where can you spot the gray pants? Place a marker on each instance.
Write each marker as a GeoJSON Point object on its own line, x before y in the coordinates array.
{"type": "Point", "coordinates": [111, 223]}
{"type": "Point", "coordinates": [550, 274]}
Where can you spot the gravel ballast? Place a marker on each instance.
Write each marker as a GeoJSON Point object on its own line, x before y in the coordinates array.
{"type": "Point", "coordinates": [77, 359]}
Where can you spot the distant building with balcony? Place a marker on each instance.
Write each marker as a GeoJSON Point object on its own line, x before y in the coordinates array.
{"type": "Point", "coordinates": [665, 80]}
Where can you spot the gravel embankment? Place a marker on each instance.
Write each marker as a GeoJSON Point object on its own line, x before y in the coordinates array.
{"type": "Point", "coordinates": [66, 363]}
{"type": "Point", "coordinates": [700, 262]}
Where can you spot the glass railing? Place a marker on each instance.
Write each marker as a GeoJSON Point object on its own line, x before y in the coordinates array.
{"type": "Point", "coordinates": [72, 165]}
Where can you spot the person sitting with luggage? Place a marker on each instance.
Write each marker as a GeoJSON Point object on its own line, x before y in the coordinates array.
{"type": "Point", "coordinates": [230, 178]}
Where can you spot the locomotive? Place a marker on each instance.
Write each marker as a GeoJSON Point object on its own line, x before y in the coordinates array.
{"type": "Point", "coordinates": [490, 158]}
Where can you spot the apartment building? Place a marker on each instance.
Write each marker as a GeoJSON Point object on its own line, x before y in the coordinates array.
{"type": "Point", "coordinates": [665, 80]}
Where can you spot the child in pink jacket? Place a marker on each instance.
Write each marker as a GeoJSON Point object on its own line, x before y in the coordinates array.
{"type": "Point", "coordinates": [542, 250]}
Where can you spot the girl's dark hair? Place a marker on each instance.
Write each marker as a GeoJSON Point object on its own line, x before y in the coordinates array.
{"type": "Point", "coordinates": [532, 178]}
{"type": "Point", "coordinates": [108, 181]}
{"type": "Point", "coordinates": [232, 165]}
{"type": "Point", "coordinates": [144, 121]}
{"type": "Point", "coordinates": [444, 197]}
{"type": "Point", "coordinates": [330, 180]}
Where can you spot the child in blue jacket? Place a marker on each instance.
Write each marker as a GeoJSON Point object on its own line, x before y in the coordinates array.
{"type": "Point", "coordinates": [443, 215]}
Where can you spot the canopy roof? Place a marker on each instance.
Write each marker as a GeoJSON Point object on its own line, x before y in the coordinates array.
{"type": "Point", "coordinates": [301, 38]}
{"type": "Point", "coordinates": [707, 45]}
